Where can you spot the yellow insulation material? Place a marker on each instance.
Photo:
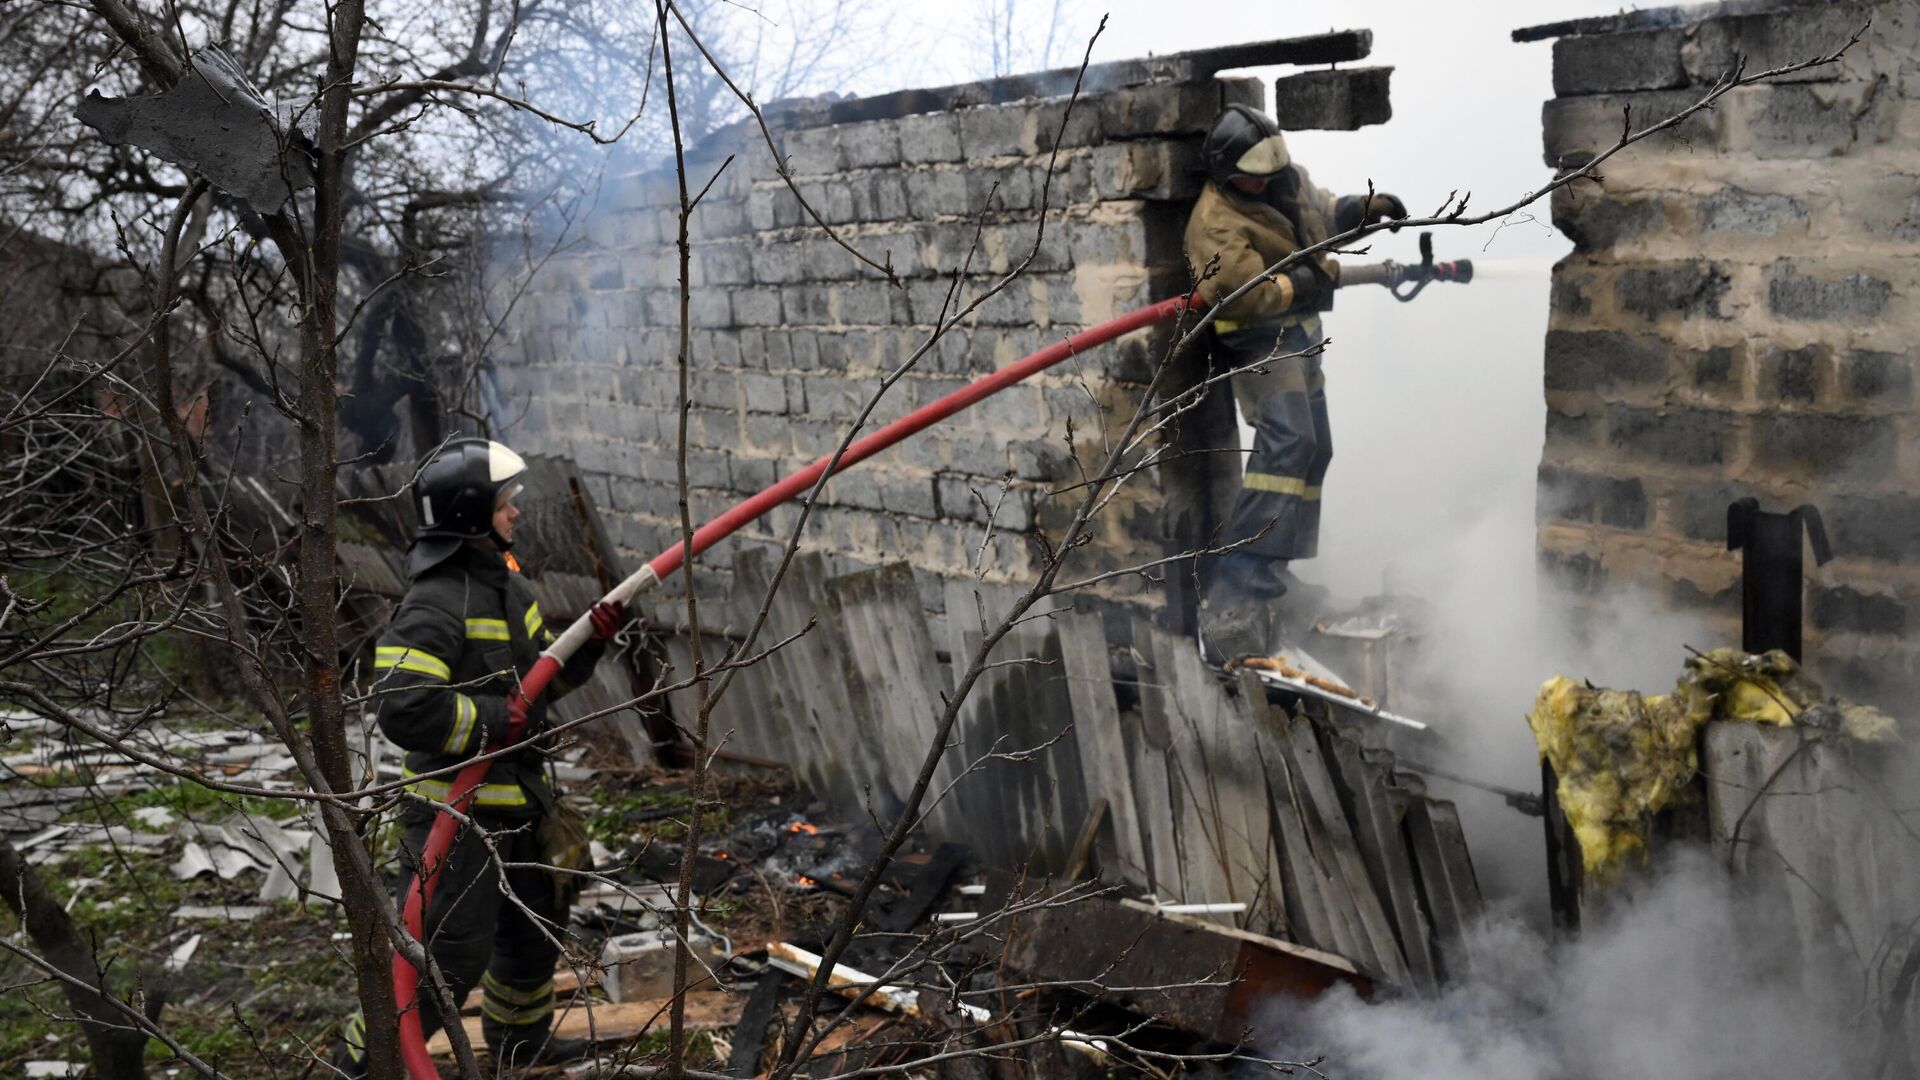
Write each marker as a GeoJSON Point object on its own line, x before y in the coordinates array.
{"type": "Point", "coordinates": [1621, 758]}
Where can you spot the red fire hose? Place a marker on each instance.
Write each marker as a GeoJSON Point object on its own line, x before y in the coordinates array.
{"type": "Point", "coordinates": [406, 981]}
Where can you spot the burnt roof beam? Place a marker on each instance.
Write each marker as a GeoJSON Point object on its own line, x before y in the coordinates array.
{"type": "Point", "coordinates": [1339, 46]}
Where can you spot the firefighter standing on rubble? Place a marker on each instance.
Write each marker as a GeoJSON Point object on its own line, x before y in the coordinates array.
{"type": "Point", "coordinates": [1257, 208]}
{"type": "Point", "coordinates": [446, 675]}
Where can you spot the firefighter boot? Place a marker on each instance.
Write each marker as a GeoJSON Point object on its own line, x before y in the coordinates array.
{"type": "Point", "coordinates": [1238, 614]}
{"type": "Point", "coordinates": [546, 1050]}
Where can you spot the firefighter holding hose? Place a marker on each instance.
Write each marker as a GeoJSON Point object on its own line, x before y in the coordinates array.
{"type": "Point", "coordinates": [1257, 208]}
{"type": "Point", "coordinates": [446, 679]}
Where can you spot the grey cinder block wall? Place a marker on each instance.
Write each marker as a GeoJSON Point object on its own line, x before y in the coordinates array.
{"type": "Point", "coordinates": [1739, 315]}
{"type": "Point", "coordinates": [792, 335]}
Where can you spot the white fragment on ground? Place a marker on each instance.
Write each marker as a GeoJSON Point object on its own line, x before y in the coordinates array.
{"type": "Point", "coordinates": [322, 879]}
{"type": "Point", "coordinates": [183, 954]}
{"type": "Point", "coordinates": [154, 817]}
{"type": "Point", "coordinates": [231, 862]}
{"type": "Point", "coordinates": [222, 913]}
{"type": "Point", "coordinates": [280, 883]}
{"type": "Point", "coordinates": [55, 1068]}
{"type": "Point", "coordinates": [46, 835]}
{"type": "Point", "coordinates": [193, 862]}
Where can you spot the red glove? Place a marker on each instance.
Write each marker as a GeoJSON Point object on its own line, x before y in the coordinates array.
{"type": "Point", "coordinates": [607, 617]}
{"type": "Point", "coordinates": [516, 715]}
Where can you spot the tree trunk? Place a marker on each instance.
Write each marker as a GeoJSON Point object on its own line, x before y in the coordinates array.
{"type": "Point", "coordinates": [319, 264]}
{"type": "Point", "coordinates": [117, 1049]}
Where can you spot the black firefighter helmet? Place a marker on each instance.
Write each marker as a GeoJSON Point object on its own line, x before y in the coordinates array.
{"type": "Point", "coordinates": [1244, 142]}
{"type": "Point", "coordinates": [455, 496]}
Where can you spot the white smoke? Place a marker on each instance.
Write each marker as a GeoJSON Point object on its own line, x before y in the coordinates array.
{"type": "Point", "coordinates": [1684, 976]}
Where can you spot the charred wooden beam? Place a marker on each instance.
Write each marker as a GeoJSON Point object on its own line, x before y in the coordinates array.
{"type": "Point", "coordinates": [1337, 47]}
{"type": "Point", "coordinates": [1207, 979]}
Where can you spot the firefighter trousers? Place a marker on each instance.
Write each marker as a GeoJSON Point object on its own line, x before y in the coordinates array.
{"type": "Point", "coordinates": [1277, 510]}
{"type": "Point", "coordinates": [480, 937]}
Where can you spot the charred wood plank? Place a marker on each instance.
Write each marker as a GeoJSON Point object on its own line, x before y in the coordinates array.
{"type": "Point", "coordinates": [1340, 46]}
{"type": "Point", "coordinates": [1208, 979]}
{"type": "Point", "coordinates": [750, 1034]}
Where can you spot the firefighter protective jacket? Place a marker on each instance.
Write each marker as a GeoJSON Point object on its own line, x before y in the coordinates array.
{"type": "Point", "coordinates": [465, 633]}
{"type": "Point", "coordinates": [1249, 234]}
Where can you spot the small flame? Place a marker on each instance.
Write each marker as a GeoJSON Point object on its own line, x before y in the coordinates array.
{"type": "Point", "coordinates": [805, 882]}
{"type": "Point", "coordinates": [721, 855]}
{"type": "Point", "coordinates": [803, 827]}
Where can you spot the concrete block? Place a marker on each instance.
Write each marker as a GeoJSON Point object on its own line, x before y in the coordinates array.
{"type": "Point", "coordinates": [1572, 572]}
{"type": "Point", "coordinates": [881, 196]}
{"type": "Point", "coordinates": [725, 263]}
{"type": "Point", "coordinates": [756, 306]}
{"type": "Point", "coordinates": [1011, 244]}
{"type": "Point", "coordinates": [1859, 449]}
{"type": "Point", "coordinates": [989, 131]}
{"type": "Point", "coordinates": [1885, 526]}
{"type": "Point", "coordinates": [1041, 459]}
{"type": "Point", "coordinates": [1571, 430]}
{"type": "Point", "coordinates": [1596, 220]}
{"type": "Point", "coordinates": [1793, 376]}
{"type": "Point", "coordinates": [1050, 123]}
{"type": "Point", "coordinates": [707, 468]}
{"type": "Point", "coordinates": [1701, 513]}
{"type": "Point", "coordinates": [928, 138]}
{"type": "Point", "coordinates": [718, 219]}
{"type": "Point", "coordinates": [1575, 129]}
{"type": "Point", "coordinates": [1687, 289]}
{"type": "Point", "coordinates": [764, 393]}
{"type": "Point", "coordinates": [1014, 188]}
{"type": "Point", "coordinates": [875, 144]}
{"type": "Point", "coordinates": [1572, 495]}
{"type": "Point", "coordinates": [978, 499]}
{"type": "Point", "coordinates": [1689, 437]}
{"type": "Point", "coordinates": [1242, 90]}
{"type": "Point", "coordinates": [1857, 296]}
{"type": "Point", "coordinates": [779, 262]}
{"type": "Point", "coordinates": [710, 309]}
{"type": "Point", "coordinates": [1342, 99]}
{"type": "Point", "coordinates": [1146, 169]}
{"type": "Point", "coordinates": [1604, 360]}
{"type": "Point", "coordinates": [1778, 39]}
{"type": "Point", "coordinates": [1569, 294]}
{"type": "Point", "coordinates": [1106, 241]}
{"type": "Point", "coordinates": [807, 305]}
{"type": "Point", "coordinates": [929, 299]}
{"type": "Point", "coordinates": [832, 351]}
{"type": "Point", "coordinates": [864, 304]}
{"type": "Point", "coordinates": [1608, 63]}
{"type": "Point", "coordinates": [1718, 372]}
{"type": "Point", "coordinates": [1159, 109]}
{"type": "Point", "coordinates": [1802, 121]}
{"type": "Point", "coordinates": [713, 389]}
{"type": "Point", "coordinates": [755, 474]}
{"type": "Point", "coordinates": [1880, 378]}
{"type": "Point", "coordinates": [639, 966]}
{"type": "Point", "coordinates": [1844, 607]}
{"type": "Point", "coordinates": [1014, 412]}
{"type": "Point", "coordinates": [938, 192]}
{"type": "Point", "coordinates": [1735, 210]}
{"type": "Point", "coordinates": [811, 151]}
{"type": "Point", "coordinates": [1891, 206]}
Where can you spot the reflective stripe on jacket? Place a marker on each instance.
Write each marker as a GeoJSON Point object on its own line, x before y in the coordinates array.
{"type": "Point", "coordinates": [464, 634]}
